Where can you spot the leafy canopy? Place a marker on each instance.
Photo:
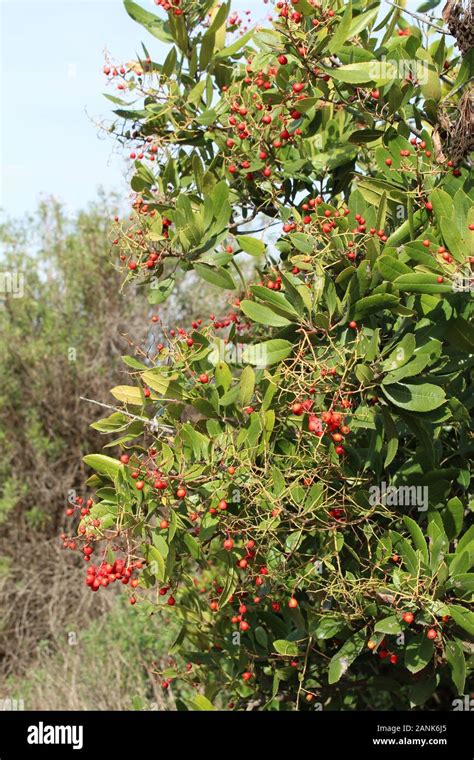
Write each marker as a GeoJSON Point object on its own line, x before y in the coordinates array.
{"type": "Point", "coordinates": [295, 470]}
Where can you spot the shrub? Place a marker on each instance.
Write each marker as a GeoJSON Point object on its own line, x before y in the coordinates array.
{"type": "Point", "coordinates": [294, 478]}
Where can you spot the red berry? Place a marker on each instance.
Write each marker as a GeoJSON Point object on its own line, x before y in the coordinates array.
{"type": "Point", "coordinates": [293, 603]}
{"type": "Point", "coordinates": [408, 617]}
{"type": "Point", "coordinates": [431, 634]}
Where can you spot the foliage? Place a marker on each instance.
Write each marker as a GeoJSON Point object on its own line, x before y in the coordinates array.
{"type": "Point", "coordinates": [294, 478]}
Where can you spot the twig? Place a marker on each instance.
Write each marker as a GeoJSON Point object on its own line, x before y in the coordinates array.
{"type": "Point", "coordinates": [152, 424]}
{"type": "Point", "coordinates": [420, 17]}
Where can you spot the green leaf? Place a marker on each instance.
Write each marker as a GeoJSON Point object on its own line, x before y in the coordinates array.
{"type": "Point", "coordinates": [261, 636]}
{"type": "Point", "coordinates": [465, 540]}
{"type": "Point", "coordinates": [362, 22]}
{"type": "Point", "coordinates": [251, 245]}
{"type": "Point", "coordinates": [113, 424]}
{"type": "Point", "coordinates": [401, 354]}
{"type": "Point", "coordinates": [409, 556]}
{"type": "Point", "coordinates": [342, 30]}
{"type": "Point", "coordinates": [235, 46]}
{"type": "Point", "coordinates": [452, 238]}
{"type": "Point", "coordinates": [430, 82]}
{"type": "Point", "coordinates": [391, 437]}
{"type": "Point", "coordinates": [223, 376]}
{"type": "Point", "coordinates": [231, 581]}
{"type": "Point", "coordinates": [442, 203]}
{"type": "Point", "coordinates": [365, 136]}
{"type": "Point", "coordinates": [268, 352]}
{"type": "Point", "coordinates": [365, 72]}
{"type": "Point", "coordinates": [418, 653]}
{"type": "Point", "coordinates": [207, 49]}
{"type": "Point", "coordinates": [391, 624]}
{"type": "Point", "coordinates": [391, 268]}
{"type": "Point", "coordinates": [155, 562]}
{"type": "Point", "coordinates": [128, 394]}
{"type": "Point", "coordinates": [156, 381]}
{"type": "Point", "coordinates": [417, 537]}
{"type": "Point", "coordinates": [413, 368]}
{"type": "Point", "coordinates": [195, 95]}
{"type": "Point", "coordinates": [422, 690]}
{"type": "Point", "coordinates": [161, 290]}
{"type": "Point", "coordinates": [264, 315]}
{"type": "Point", "coordinates": [170, 63]}
{"type": "Point", "coordinates": [372, 305]}
{"type": "Point", "coordinates": [246, 385]}
{"type": "Point", "coordinates": [282, 646]}
{"type": "Point", "coordinates": [421, 282]}
{"type": "Point", "coordinates": [453, 517]}
{"type": "Point", "coordinates": [130, 361]}
{"type": "Point", "coordinates": [462, 582]}
{"type": "Point", "coordinates": [218, 17]}
{"type": "Point", "coordinates": [278, 300]}
{"type": "Point", "coordinates": [455, 658]}
{"type": "Point", "coordinates": [460, 332]}
{"type": "Point", "coordinates": [341, 661]}
{"type": "Point", "coordinates": [216, 276]}
{"type": "Point", "coordinates": [103, 464]}
{"type": "Point", "coordinates": [202, 703]}
{"type": "Point", "coordinates": [463, 617]}
{"type": "Point", "coordinates": [415, 398]}
{"type": "Point", "coordinates": [325, 627]}
{"type": "Point", "coordinates": [152, 23]}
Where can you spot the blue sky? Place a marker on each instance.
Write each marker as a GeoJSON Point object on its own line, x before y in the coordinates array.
{"type": "Point", "coordinates": [52, 54]}
{"type": "Point", "coordinates": [51, 93]}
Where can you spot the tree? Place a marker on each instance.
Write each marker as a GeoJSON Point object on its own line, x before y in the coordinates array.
{"type": "Point", "coordinates": [294, 477]}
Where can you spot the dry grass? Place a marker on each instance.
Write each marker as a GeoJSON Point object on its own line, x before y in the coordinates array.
{"type": "Point", "coordinates": [64, 648]}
